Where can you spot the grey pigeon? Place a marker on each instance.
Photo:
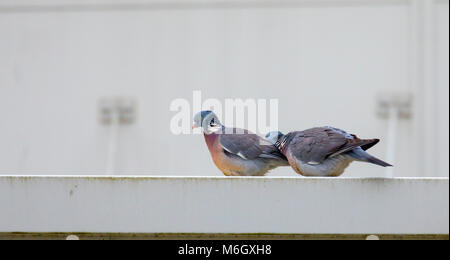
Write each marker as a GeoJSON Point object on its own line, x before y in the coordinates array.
{"type": "Point", "coordinates": [237, 152]}
{"type": "Point", "coordinates": [323, 151]}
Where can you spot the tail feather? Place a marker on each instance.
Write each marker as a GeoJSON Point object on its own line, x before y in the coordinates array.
{"type": "Point", "coordinates": [361, 155]}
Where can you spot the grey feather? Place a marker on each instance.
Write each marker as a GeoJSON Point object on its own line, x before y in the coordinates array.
{"type": "Point", "coordinates": [317, 144]}
{"type": "Point", "coordinates": [361, 155]}
{"type": "Point", "coordinates": [248, 146]}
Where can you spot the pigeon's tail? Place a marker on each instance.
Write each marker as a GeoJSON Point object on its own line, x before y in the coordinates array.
{"type": "Point", "coordinates": [361, 155]}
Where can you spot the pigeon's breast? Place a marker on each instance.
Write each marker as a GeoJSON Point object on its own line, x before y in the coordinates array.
{"type": "Point", "coordinates": [211, 141]}
{"type": "Point", "coordinates": [292, 161]}
{"type": "Point", "coordinates": [227, 165]}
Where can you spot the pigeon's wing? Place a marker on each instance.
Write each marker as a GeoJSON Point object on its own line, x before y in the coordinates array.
{"type": "Point", "coordinates": [314, 145]}
{"type": "Point", "coordinates": [270, 151]}
{"type": "Point", "coordinates": [247, 145]}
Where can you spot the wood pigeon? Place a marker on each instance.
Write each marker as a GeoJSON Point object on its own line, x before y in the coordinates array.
{"type": "Point", "coordinates": [323, 151]}
{"type": "Point", "coordinates": [237, 152]}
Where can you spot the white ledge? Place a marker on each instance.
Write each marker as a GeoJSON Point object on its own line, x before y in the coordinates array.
{"type": "Point", "coordinates": [236, 205]}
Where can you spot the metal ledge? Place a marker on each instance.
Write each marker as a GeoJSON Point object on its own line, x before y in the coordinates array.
{"type": "Point", "coordinates": [221, 207]}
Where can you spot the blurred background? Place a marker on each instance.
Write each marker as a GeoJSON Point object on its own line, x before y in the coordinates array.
{"type": "Point", "coordinates": [376, 68]}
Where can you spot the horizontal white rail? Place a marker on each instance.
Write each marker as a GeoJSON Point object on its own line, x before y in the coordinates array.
{"type": "Point", "coordinates": [238, 205]}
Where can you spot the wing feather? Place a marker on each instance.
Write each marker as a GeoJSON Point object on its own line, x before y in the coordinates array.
{"type": "Point", "coordinates": [248, 146]}
{"type": "Point", "coordinates": [315, 145]}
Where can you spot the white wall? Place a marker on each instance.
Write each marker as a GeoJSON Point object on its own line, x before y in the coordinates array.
{"type": "Point", "coordinates": [442, 68]}
{"type": "Point", "coordinates": [224, 205]}
{"type": "Point", "coordinates": [325, 60]}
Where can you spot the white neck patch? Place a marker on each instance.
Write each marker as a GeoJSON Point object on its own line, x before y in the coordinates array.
{"type": "Point", "coordinates": [213, 129]}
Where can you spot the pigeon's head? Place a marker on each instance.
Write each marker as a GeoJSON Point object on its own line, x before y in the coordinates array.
{"type": "Point", "coordinates": [273, 136]}
{"type": "Point", "coordinates": [207, 120]}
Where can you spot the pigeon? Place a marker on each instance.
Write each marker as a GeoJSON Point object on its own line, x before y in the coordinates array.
{"type": "Point", "coordinates": [237, 152]}
{"type": "Point", "coordinates": [323, 151]}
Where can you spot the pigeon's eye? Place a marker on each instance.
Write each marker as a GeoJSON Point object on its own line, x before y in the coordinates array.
{"type": "Point", "coordinates": [212, 123]}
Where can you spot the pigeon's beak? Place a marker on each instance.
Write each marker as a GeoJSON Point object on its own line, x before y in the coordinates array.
{"type": "Point", "coordinates": [194, 125]}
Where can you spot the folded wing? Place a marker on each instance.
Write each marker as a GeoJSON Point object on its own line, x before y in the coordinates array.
{"type": "Point", "coordinates": [248, 146]}
{"type": "Point", "coordinates": [314, 145]}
